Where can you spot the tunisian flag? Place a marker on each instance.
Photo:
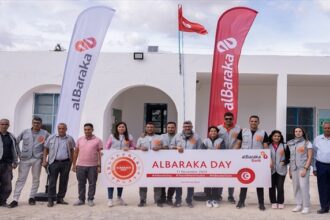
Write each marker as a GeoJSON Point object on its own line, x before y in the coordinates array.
{"type": "Point", "coordinates": [188, 26]}
{"type": "Point", "coordinates": [232, 28]}
{"type": "Point", "coordinates": [86, 42]}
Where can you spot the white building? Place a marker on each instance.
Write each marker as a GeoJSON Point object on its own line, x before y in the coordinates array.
{"type": "Point", "coordinates": [284, 91]}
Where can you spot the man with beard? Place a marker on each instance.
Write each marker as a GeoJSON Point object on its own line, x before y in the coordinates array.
{"type": "Point", "coordinates": [186, 140]}
{"type": "Point", "coordinates": [150, 141]}
{"type": "Point", "coordinates": [167, 138]}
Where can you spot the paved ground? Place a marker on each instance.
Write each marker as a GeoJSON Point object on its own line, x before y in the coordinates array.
{"type": "Point", "coordinates": [151, 211]}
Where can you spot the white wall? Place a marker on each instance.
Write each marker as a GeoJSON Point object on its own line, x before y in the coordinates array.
{"type": "Point", "coordinates": [253, 100]}
{"type": "Point", "coordinates": [131, 102]}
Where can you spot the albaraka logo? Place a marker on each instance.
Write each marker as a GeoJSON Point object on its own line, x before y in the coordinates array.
{"type": "Point", "coordinates": [226, 44]}
{"type": "Point", "coordinates": [85, 44]}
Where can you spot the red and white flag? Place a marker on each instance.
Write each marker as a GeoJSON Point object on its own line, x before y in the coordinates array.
{"type": "Point", "coordinates": [232, 28]}
{"type": "Point", "coordinates": [86, 42]}
{"type": "Point", "coordinates": [188, 26]}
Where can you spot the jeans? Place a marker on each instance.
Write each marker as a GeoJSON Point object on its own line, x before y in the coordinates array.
{"type": "Point", "coordinates": [119, 192]}
{"type": "Point", "coordinates": [6, 175]}
{"type": "Point", "coordinates": [84, 174]}
{"type": "Point", "coordinates": [178, 196]}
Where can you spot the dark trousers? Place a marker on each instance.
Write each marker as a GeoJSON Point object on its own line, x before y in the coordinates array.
{"type": "Point", "coordinates": [230, 192]}
{"type": "Point", "coordinates": [212, 193]}
{"type": "Point", "coordinates": [260, 194]}
{"type": "Point", "coordinates": [84, 174]}
{"type": "Point", "coordinates": [62, 169]}
{"type": "Point", "coordinates": [6, 175]}
{"type": "Point", "coordinates": [277, 185]}
{"type": "Point", "coordinates": [178, 195]}
{"type": "Point", "coordinates": [323, 183]}
{"type": "Point", "coordinates": [170, 193]}
{"type": "Point", "coordinates": [119, 192]}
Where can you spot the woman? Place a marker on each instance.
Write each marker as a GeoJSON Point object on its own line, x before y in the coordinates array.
{"type": "Point", "coordinates": [213, 142]}
{"type": "Point", "coordinates": [301, 154]}
{"type": "Point", "coordinates": [278, 169]}
{"type": "Point", "coordinates": [119, 140]}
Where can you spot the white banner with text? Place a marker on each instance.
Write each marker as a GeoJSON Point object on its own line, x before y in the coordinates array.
{"type": "Point", "coordinates": [203, 168]}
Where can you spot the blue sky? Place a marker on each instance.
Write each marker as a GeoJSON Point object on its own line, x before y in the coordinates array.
{"type": "Point", "coordinates": [282, 27]}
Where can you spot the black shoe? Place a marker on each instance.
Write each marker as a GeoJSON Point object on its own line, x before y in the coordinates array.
{"type": "Point", "coordinates": [231, 200]}
{"type": "Point", "coordinates": [62, 202]}
{"type": "Point", "coordinates": [322, 211]}
{"type": "Point", "coordinates": [50, 203]}
{"type": "Point", "coordinates": [190, 205]}
{"type": "Point", "coordinates": [240, 205]}
{"type": "Point", "coordinates": [159, 204]}
{"type": "Point", "coordinates": [142, 203]}
{"type": "Point", "coordinates": [32, 201]}
{"type": "Point", "coordinates": [262, 207]}
{"type": "Point", "coordinates": [13, 204]}
{"type": "Point", "coordinates": [169, 202]}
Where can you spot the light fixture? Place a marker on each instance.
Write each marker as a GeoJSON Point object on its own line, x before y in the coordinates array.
{"type": "Point", "coordinates": [138, 55]}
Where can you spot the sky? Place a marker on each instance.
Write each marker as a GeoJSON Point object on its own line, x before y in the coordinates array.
{"type": "Point", "coordinates": [282, 27]}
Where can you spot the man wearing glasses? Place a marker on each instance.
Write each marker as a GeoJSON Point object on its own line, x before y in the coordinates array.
{"type": "Point", "coordinates": [228, 131]}
{"type": "Point", "coordinates": [9, 153]}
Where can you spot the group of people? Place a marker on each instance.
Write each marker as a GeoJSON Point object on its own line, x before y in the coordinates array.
{"type": "Point", "coordinates": [60, 154]}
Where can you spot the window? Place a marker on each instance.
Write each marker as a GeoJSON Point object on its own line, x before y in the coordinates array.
{"type": "Point", "coordinates": [323, 115]}
{"type": "Point", "coordinates": [45, 106]}
{"type": "Point", "coordinates": [302, 117]}
{"type": "Point", "coordinates": [156, 113]}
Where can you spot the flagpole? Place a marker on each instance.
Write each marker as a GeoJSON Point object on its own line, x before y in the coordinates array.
{"type": "Point", "coordinates": [181, 69]}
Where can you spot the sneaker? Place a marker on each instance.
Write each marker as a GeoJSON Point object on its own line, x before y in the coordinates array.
{"type": "Point", "coordinates": [142, 203]}
{"type": "Point", "coordinates": [121, 202]}
{"type": "Point", "coordinates": [281, 206]}
{"type": "Point", "coordinates": [90, 203]}
{"type": "Point", "coordinates": [78, 203]}
{"type": "Point", "coordinates": [215, 204]}
{"type": "Point", "coordinates": [297, 208]}
{"type": "Point", "coordinates": [190, 205]}
{"type": "Point", "coordinates": [231, 200]}
{"type": "Point", "coordinates": [32, 201]}
{"type": "Point", "coordinates": [169, 202]}
{"type": "Point", "coordinates": [110, 203]}
{"type": "Point", "coordinates": [177, 205]}
{"type": "Point", "coordinates": [240, 205]}
{"type": "Point", "coordinates": [274, 206]}
{"type": "Point", "coordinates": [13, 204]}
{"type": "Point", "coordinates": [50, 204]}
{"type": "Point", "coordinates": [209, 204]}
{"type": "Point", "coordinates": [305, 210]}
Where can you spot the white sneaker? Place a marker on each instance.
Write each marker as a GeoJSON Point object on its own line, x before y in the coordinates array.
{"type": "Point", "coordinates": [110, 203]}
{"type": "Point", "coordinates": [209, 204]}
{"type": "Point", "coordinates": [215, 204]}
{"type": "Point", "coordinates": [121, 202]}
{"type": "Point", "coordinates": [274, 206]}
{"type": "Point", "coordinates": [297, 208]}
{"type": "Point", "coordinates": [281, 206]}
{"type": "Point", "coordinates": [305, 210]}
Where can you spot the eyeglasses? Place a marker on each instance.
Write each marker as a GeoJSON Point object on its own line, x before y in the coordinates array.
{"type": "Point", "coordinates": [228, 119]}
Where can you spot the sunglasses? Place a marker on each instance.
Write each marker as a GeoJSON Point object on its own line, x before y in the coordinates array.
{"type": "Point", "coordinates": [228, 119]}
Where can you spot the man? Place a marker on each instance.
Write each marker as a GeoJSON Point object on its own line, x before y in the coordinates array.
{"type": "Point", "coordinates": [9, 153]}
{"type": "Point", "coordinates": [150, 141]}
{"type": "Point", "coordinates": [252, 138]}
{"type": "Point", "coordinates": [31, 158]}
{"type": "Point", "coordinates": [88, 154]}
{"type": "Point", "coordinates": [59, 149]}
{"type": "Point", "coordinates": [186, 140]}
{"type": "Point", "coordinates": [228, 131]}
{"type": "Point", "coordinates": [167, 138]}
{"type": "Point", "coordinates": [321, 167]}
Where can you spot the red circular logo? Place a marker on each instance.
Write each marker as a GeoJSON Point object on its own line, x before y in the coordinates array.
{"type": "Point", "coordinates": [123, 168]}
{"type": "Point", "coordinates": [246, 175]}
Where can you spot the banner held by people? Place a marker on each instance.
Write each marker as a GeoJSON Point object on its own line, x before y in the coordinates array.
{"type": "Point", "coordinates": [232, 28]}
{"type": "Point", "coordinates": [86, 42]}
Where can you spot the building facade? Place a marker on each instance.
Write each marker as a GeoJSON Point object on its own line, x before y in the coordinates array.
{"type": "Point", "coordinates": [285, 91]}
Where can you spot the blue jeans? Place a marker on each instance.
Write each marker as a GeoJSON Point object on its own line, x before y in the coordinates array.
{"type": "Point", "coordinates": [119, 192]}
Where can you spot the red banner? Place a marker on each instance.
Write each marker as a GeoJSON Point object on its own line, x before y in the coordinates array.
{"type": "Point", "coordinates": [232, 28]}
